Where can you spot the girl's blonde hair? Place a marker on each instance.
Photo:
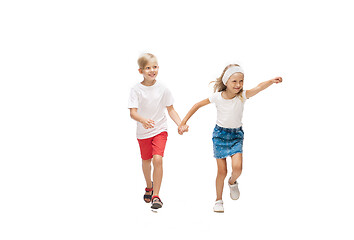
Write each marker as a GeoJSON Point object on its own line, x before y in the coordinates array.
{"type": "Point", "coordinates": [219, 86]}
{"type": "Point", "coordinates": [145, 58]}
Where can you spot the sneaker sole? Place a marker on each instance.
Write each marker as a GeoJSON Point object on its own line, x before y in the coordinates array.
{"type": "Point", "coordinates": [218, 211]}
{"type": "Point", "coordinates": [233, 198]}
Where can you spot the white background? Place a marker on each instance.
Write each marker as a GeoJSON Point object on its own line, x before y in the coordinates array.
{"type": "Point", "coordinates": [70, 165]}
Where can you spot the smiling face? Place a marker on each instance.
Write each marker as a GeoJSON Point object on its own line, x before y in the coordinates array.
{"type": "Point", "coordinates": [150, 71]}
{"type": "Point", "coordinates": [235, 83]}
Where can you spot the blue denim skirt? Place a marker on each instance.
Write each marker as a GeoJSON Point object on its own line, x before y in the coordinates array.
{"type": "Point", "coordinates": [227, 141]}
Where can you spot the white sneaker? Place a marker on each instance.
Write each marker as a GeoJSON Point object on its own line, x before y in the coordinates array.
{"type": "Point", "coordinates": [219, 207]}
{"type": "Point", "coordinates": [234, 192]}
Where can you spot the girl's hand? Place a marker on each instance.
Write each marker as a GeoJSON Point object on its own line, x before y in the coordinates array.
{"type": "Point", "coordinates": [277, 80]}
{"type": "Point", "coordinates": [182, 129]}
{"type": "Point", "coordinates": [147, 123]}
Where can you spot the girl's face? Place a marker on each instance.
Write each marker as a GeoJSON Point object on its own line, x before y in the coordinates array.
{"type": "Point", "coordinates": [150, 71]}
{"type": "Point", "coordinates": [235, 83]}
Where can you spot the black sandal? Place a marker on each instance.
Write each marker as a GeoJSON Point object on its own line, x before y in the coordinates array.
{"type": "Point", "coordinates": [157, 203]}
{"type": "Point", "coordinates": [147, 197]}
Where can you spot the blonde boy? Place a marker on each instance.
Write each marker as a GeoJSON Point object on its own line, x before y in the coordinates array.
{"type": "Point", "coordinates": [147, 103]}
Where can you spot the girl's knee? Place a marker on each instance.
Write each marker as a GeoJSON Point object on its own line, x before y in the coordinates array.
{"type": "Point", "coordinates": [222, 173]}
{"type": "Point", "coordinates": [237, 167]}
{"type": "Point", "coordinates": [237, 162]}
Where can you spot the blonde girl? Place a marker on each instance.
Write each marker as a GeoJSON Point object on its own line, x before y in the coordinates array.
{"type": "Point", "coordinates": [229, 98]}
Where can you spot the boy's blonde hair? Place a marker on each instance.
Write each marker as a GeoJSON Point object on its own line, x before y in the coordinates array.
{"type": "Point", "coordinates": [219, 86]}
{"type": "Point", "coordinates": [145, 58]}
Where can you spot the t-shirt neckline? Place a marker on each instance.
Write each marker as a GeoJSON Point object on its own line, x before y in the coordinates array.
{"type": "Point", "coordinates": [227, 99]}
{"type": "Point", "coordinates": [148, 86]}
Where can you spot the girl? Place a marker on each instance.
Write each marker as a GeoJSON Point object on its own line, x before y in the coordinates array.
{"type": "Point", "coordinates": [147, 103]}
{"type": "Point", "coordinates": [229, 98]}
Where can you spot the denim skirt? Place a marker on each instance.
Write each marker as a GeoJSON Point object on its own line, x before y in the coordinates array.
{"type": "Point", "coordinates": [227, 141]}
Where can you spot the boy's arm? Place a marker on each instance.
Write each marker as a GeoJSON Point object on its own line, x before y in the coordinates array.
{"type": "Point", "coordinates": [147, 123]}
{"type": "Point", "coordinates": [174, 115]}
{"type": "Point", "coordinates": [262, 86]}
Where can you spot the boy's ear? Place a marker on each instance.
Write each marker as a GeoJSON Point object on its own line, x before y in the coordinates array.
{"type": "Point", "coordinates": [140, 71]}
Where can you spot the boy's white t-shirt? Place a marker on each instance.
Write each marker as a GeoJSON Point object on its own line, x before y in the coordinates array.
{"type": "Point", "coordinates": [151, 102]}
{"type": "Point", "coordinates": [229, 111]}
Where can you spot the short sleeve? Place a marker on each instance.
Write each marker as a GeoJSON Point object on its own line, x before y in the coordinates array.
{"type": "Point", "coordinates": [212, 98]}
{"type": "Point", "coordinates": [244, 95]}
{"type": "Point", "coordinates": [168, 98]}
{"type": "Point", "coordinates": [133, 101]}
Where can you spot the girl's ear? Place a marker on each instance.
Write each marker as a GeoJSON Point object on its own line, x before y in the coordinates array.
{"type": "Point", "coordinates": [140, 71]}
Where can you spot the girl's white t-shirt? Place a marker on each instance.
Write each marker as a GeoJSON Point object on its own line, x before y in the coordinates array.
{"type": "Point", "coordinates": [151, 102]}
{"type": "Point", "coordinates": [229, 111]}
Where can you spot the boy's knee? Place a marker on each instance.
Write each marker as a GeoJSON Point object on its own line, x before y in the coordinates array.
{"type": "Point", "coordinates": [157, 161]}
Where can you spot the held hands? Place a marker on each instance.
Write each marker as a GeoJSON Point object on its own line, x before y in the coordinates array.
{"type": "Point", "coordinates": [277, 80]}
{"type": "Point", "coordinates": [182, 128]}
{"type": "Point", "coordinates": [147, 123]}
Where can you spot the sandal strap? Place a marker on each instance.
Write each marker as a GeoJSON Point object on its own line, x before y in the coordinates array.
{"type": "Point", "coordinates": [153, 197]}
{"type": "Point", "coordinates": [150, 189]}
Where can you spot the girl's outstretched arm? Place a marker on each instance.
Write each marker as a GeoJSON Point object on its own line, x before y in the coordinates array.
{"type": "Point", "coordinates": [262, 86]}
{"type": "Point", "coordinates": [192, 111]}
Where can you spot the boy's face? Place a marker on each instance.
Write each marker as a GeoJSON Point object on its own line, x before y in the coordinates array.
{"type": "Point", "coordinates": [150, 71]}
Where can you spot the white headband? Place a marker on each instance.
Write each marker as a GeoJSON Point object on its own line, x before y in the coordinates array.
{"type": "Point", "coordinates": [230, 71]}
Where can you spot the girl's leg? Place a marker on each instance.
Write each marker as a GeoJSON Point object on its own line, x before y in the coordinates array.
{"type": "Point", "coordinates": [236, 161]}
{"type": "Point", "coordinates": [157, 174]}
{"type": "Point", "coordinates": [220, 177]}
{"type": "Point", "coordinates": [147, 173]}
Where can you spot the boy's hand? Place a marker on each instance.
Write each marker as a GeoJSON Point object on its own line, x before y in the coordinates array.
{"type": "Point", "coordinates": [277, 80]}
{"type": "Point", "coordinates": [182, 129]}
{"type": "Point", "coordinates": [147, 123]}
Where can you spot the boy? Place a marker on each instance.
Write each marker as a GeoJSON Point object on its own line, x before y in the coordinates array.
{"type": "Point", "coordinates": [147, 103]}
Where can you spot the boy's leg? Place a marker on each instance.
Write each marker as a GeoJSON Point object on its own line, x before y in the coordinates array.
{"type": "Point", "coordinates": [147, 173]}
{"type": "Point", "coordinates": [146, 156]}
{"type": "Point", "coordinates": [157, 173]}
{"type": "Point", "coordinates": [158, 148]}
{"type": "Point", "coordinates": [236, 161]}
{"type": "Point", "coordinates": [220, 177]}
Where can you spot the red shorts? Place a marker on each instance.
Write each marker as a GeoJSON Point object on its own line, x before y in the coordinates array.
{"type": "Point", "coordinates": [153, 146]}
